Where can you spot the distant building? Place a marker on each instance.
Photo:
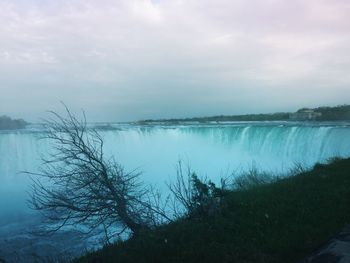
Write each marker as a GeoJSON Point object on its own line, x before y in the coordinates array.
{"type": "Point", "coordinates": [305, 115]}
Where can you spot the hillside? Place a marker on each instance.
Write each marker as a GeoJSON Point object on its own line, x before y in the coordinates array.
{"type": "Point", "coordinates": [282, 221]}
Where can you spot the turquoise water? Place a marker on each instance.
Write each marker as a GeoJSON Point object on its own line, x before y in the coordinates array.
{"type": "Point", "coordinates": [218, 150]}
{"type": "Point", "coordinates": [211, 150]}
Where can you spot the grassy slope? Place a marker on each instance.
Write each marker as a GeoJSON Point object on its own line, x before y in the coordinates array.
{"type": "Point", "coordinates": [280, 222]}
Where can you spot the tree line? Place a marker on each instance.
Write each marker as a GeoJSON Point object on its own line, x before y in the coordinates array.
{"type": "Point", "coordinates": [6, 123]}
{"type": "Point", "coordinates": [338, 113]}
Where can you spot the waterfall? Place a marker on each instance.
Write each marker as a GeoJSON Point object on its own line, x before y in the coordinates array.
{"type": "Point", "coordinates": [211, 150]}
{"type": "Point", "coordinates": [156, 149]}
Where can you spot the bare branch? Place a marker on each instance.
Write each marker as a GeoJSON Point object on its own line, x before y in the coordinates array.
{"type": "Point", "coordinates": [77, 185]}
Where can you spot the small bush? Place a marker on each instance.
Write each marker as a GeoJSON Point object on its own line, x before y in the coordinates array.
{"type": "Point", "coordinates": [252, 179]}
{"type": "Point", "coordinates": [207, 199]}
{"type": "Point", "coordinates": [193, 197]}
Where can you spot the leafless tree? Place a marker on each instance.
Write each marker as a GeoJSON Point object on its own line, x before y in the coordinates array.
{"type": "Point", "coordinates": [78, 185]}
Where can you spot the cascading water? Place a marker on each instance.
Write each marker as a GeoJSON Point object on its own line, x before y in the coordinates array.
{"type": "Point", "coordinates": [211, 150]}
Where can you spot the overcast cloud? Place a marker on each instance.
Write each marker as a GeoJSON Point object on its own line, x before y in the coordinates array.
{"type": "Point", "coordinates": [129, 60]}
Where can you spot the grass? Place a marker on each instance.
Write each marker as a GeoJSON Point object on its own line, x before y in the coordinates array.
{"type": "Point", "coordinates": [283, 221]}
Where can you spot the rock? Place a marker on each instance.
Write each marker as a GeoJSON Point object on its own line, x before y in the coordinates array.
{"type": "Point", "coordinates": [336, 250]}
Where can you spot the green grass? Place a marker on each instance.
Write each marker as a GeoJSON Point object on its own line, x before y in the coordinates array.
{"type": "Point", "coordinates": [279, 222]}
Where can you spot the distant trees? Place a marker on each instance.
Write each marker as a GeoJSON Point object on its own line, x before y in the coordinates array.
{"type": "Point", "coordinates": [338, 113]}
{"type": "Point", "coordinates": [78, 185]}
{"type": "Point", "coordinates": [6, 123]}
{"type": "Point", "coordinates": [222, 118]}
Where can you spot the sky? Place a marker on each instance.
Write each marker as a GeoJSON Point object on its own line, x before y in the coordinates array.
{"type": "Point", "coordinates": [138, 59]}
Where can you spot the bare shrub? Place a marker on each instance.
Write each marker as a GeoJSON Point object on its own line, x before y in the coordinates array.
{"type": "Point", "coordinates": [78, 185]}
{"type": "Point", "coordinates": [194, 197]}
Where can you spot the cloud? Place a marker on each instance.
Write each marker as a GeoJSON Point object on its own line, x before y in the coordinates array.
{"type": "Point", "coordinates": [132, 59]}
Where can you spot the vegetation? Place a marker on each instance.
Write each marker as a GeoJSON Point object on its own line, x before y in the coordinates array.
{"type": "Point", "coordinates": [193, 197]}
{"type": "Point", "coordinates": [222, 118]}
{"type": "Point", "coordinates": [281, 220]}
{"type": "Point", "coordinates": [78, 185]}
{"type": "Point", "coordinates": [338, 113]}
{"type": "Point", "coordinates": [258, 218]}
{"type": "Point", "coordinates": [6, 123]}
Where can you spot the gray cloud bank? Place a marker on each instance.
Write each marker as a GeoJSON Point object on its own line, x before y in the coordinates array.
{"type": "Point", "coordinates": [126, 60]}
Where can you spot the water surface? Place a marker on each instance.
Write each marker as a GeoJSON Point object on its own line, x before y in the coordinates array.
{"type": "Point", "coordinates": [212, 150]}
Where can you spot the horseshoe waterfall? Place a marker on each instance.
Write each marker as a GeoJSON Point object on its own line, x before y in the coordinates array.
{"type": "Point", "coordinates": [212, 150]}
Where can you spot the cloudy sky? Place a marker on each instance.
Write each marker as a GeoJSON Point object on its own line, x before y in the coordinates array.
{"type": "Point", "coordinates": [134, 59]}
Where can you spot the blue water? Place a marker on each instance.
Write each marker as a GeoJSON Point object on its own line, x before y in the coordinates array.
{"type": "Point", "coordinates": [220, 149]}
{"type": "Point", "coordinates": [212, 150]}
